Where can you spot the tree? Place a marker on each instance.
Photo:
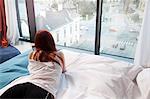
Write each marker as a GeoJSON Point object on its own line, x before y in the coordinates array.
{"type": "Point", "coordinates": [137, 2]}
{"type": "Point", "coordinates": [135, 17]}
{"type": "Point", "coordinates": [126, 4]}
{"type": "Point", "coordinates": [87, 8]}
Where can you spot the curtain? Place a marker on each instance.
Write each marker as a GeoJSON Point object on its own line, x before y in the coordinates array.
{"type": "Point", "coordinates": [142, 56]}
{"type": "Point", "coordinates": [11, 17]}
{"type": "Point", "coordinates": [3, 27]}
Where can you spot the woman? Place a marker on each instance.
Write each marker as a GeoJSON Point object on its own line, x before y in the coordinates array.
{"type": "Point", "coordinates": [46, 65]}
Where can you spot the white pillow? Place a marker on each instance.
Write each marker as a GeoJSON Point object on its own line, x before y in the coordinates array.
{"type": "Point", "coordinates": [70, 57]}
{"type": "Point", "coordinates": [143, 81]}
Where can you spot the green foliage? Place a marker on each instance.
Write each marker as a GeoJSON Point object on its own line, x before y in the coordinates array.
{"type": "Point", "coordinates": [87, 8]}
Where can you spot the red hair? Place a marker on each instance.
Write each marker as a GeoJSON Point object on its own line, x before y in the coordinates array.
{"type": "Point", "coordinates": [44, 41]}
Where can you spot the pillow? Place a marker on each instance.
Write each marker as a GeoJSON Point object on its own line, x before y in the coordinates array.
{"type": "Point", "coordinates": [70, 57]}
{"type": "Point", "coordinates": [8, 53]}
{"type": "Point", "coordinates": [143, 81]}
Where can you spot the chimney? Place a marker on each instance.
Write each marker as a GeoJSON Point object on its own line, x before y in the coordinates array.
{"type": "Point", "coordinates": [60, 6]}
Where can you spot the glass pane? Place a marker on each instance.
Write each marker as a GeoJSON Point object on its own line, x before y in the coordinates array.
{"type": "Point", "coordinates": [71, 22]}
{"type": "Point", "coordinates": [121, 24]}
{"type": "Point", "coordinates": [23, 19]}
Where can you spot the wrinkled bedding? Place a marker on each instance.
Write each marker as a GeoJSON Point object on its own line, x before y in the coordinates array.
{"type": "Point", "coordinates": [94, 77]}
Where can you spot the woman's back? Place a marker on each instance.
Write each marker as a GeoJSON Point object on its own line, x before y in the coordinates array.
{"type": "Point", "coordinates": [45, 74]}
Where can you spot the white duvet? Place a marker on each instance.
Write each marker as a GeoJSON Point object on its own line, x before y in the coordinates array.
{"type": "Point", "coordinates": [96, 77]}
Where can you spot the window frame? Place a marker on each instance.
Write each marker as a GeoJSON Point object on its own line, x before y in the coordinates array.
{"type": "Point", "coordinates": [31, 20]}
{"type": "Point", "coordinates": [32, 25]}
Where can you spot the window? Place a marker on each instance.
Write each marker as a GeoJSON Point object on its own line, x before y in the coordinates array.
{"type": "Point", "coordinates": [105, 26]}
{"type": "Point", "coordinates": [54, 15]}
{"type": "Point", "coordinates": [23, 19]}
{"type": "Point", "coordinates": [121, 24]}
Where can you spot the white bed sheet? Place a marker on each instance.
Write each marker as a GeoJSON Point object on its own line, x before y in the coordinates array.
{"type": "Point", "coordinates": [95, 77]}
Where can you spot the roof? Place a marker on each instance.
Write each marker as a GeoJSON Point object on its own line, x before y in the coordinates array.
{"type": "Point", "coordinates": [56, 19]}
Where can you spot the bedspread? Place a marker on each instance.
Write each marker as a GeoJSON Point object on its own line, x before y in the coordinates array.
{"type": "Point", "coordinates": [93, 77]}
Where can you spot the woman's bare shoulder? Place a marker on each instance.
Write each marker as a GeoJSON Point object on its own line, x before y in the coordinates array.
{"type": "Point", "coordinates": [32, 54]}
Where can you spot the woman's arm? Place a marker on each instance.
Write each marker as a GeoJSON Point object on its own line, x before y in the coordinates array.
{"type": "Point", "coordinates": [61, 55]}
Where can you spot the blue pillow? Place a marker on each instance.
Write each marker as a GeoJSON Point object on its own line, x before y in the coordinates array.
{"type": "Point", "coordinates": [8, 53]}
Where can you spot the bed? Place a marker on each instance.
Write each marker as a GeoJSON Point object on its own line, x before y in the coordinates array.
{"type": "Point", "coordinates": [88, 77]}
